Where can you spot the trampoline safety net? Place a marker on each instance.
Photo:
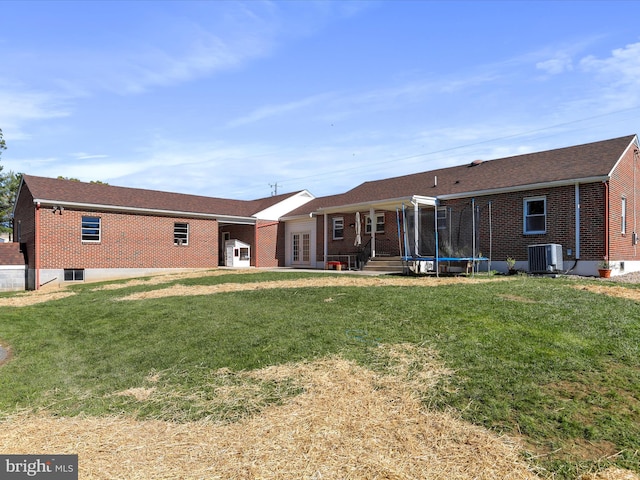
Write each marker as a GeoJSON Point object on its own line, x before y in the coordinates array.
{"type": "Point", "coordinates": [458, 232]}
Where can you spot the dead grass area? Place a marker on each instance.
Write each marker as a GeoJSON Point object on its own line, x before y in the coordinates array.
{"type": "Point", "coordinates": [349, 422]}
{"type": "Point", "coordinates": [171, 277]}
{"type": "Point", "coordinates": [60, 291]}
{"type": "Point", "coordinates": [613, 291]}
{"type": "Point", "coordinates": [319, 281]}
{"type": "Point", "coordinates": [611, 473]}
{"type": "Point", "coordinates": [34, 297]}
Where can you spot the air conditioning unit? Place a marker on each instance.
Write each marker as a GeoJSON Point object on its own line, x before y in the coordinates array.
{"type": "Point", "coordinates": [545, 258]}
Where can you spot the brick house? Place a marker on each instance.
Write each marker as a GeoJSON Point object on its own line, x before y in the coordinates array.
{"type": "Point", "coordinates": [70, 230]}
{"type": "Point", "coordinates": [580, 198]}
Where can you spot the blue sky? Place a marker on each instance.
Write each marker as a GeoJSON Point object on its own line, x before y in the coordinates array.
{"type": "Point", "coordinates": [229, 99]}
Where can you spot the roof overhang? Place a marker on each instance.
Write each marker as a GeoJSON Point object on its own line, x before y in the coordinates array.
{"type": "Point", "coordinates": [386, 204]}
{"type": "Point", "coordinates": [147, 211]}
{"type": "Point", "coordinates": [520, 188]}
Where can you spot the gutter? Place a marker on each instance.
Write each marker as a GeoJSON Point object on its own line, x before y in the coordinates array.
{"type": "Point", "coordinates": [169, 213]}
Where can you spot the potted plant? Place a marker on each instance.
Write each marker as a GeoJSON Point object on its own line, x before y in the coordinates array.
{"type": "Point", "coordinates": [511, 265]}
{"type": "Point", "coordinates": [604, 268]}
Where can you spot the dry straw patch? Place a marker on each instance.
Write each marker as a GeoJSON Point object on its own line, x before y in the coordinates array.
{"type": "Point", "coordinates": [318, 281]}
{"type": "Point", "coordinates": [350, 422]}
{"type": "Point", "coordinates": [170, 277]}
{"type": "Point", "coordinates": [34, 297]}
{"type": "Point", "coordinates": [613, 291]}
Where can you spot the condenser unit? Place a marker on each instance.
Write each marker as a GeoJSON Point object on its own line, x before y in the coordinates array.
{"type": "Point", "coordinates": [545, 258]}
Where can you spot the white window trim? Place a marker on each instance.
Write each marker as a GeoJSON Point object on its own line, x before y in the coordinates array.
{"type": "Point", "coordinates": [184, 242]}
{"type": "Point", "coordinates": [82, 227]}
{"type": "Point", "coordinates": [368, 224]}
{"type": "Point", "coordinates": [623, 215]}
{"type": "Point", "coordinates": [442, 215]}
{"type": "Point", "coordinates": [525, 202]}
{"type": "Point", "coordinates": [334, 222]}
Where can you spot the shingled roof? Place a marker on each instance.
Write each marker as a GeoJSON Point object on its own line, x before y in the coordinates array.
{"type": "Point", "coordinates": [60, 191]}
{"type": "Point", "coordinates": [10, 254]}
{"type": "Point", "coordinates": [581, 162]}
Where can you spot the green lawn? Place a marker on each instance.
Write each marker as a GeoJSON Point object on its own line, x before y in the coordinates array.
{"type": "Point", "coordinates": [534, 357]}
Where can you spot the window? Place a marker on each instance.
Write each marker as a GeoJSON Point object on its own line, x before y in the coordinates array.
{"type": "Point", "coordinates": [181, 233]}
{"type": "Point", "coordinates": [379, 223]}
{"type": "Point", "coordinates": [442, 218]}
{"type": "Point", "coordinates": [90, 229]}
{"type": "Point", "coordinates": [535, 215]}
{"type": "Point", "coordinates": [338, 228]}
{"type": "Point", "coordinates": [623, 209]}
{"type": "Point", "coordinates": [73, 275]}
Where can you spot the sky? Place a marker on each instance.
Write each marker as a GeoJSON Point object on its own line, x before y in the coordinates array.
{"type": "Point", "coordinates": [244, 99]}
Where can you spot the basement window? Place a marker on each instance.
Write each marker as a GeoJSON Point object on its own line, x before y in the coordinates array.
{"type": "Point", "coordinates": [74, 275]}
{"type": "Point", "coordinates": [180, 233]}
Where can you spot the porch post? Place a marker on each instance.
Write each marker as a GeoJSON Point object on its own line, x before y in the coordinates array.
{"type": "Point", "coordinates": [372, 219]}
{"type": "Point", "coordinates": [326, 241]}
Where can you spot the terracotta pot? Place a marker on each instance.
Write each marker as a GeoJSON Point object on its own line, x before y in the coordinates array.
{"type": "Point", "coordinates": [604, 272]}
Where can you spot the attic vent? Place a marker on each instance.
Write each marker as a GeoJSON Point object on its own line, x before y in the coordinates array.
{"type": "Point", "coordinates": [475, 163]}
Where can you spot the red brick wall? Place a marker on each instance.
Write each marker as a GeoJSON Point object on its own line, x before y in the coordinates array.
{"type": "Point", "coordinates": [128, 241]}
{"type": "Point", "coordinates": [25, 231]}
{"type": "Point", "coordinates": [271, 243]}
{"type": "Point", "coordinates": [622, 185]}
{"type": "Point", "coordinates": [507, 217]}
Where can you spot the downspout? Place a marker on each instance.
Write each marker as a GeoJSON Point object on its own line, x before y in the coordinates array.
{"type": "Point", "coordinates": [37, 247]}
{"type": "Point", "coordinates": [473, 240]}
{"type": "Point", "coordinates": [606, 219]}
{"type": "Point", "coordinates": [435, 229]}
{"type": "Point", "coordinates": [577, 207]}
{"type": "Point", "coordinates": [634, 235]}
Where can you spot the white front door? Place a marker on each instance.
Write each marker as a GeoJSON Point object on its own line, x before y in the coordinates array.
{"type": "Point", "coordinates": [301, 248]}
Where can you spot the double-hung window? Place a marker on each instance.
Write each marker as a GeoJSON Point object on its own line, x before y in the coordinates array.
{"type": "Point", "coordinates": [91, 229]}
{"type": "Point", "coordinates": [338, 228]}
{"type": "Point", "coordinates": [379, 219]}
{"type": "Point", "coordinates": [535, 215]}
{"type": "Point", "coordinates": [442, 218]}
{"type": "Point", "coordinates": [180, 233]}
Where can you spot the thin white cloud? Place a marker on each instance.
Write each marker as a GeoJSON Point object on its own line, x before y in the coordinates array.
{"type": "Point", "coordinates": [622, 68]}
{"type": "Point", "coordinates": [562, 62]}
{"type": "Point", "coordinates": [20, 107]}
{"type": "Point", "coordinates": [88, 156]}
{"type": "Point", "coordinates": [269, 111]}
